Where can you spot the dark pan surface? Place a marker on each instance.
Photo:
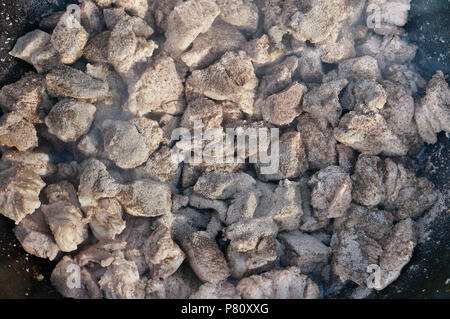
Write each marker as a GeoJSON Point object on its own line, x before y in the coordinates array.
{"type": "Point", "coordinates": [426, 276]}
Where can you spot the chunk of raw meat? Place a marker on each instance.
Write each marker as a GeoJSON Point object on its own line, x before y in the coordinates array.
{"type": "Point", "coordinates": [138, 201]}
{"type": "Point", "coordinates": [186, 21]}
{"type": "Point", "coordinates": [69, 38]}
{"type": "Point", "coordinates": [38, 162]}
{"type": "Point", "coordinates": [105, 220]}
{"type": "Point", "coordinates": [282, 108]}
{"type": "Point", "coordinates": [121, 281]}
{"type": "Point", "coordinates": [67, 224]}
{"type": "Point", "coordinates": [26, 97]}
{"type": "Point", "coordinates": [331, 193]}
{"type": "Point", "coordinates": [212, 44]}
{"type": "Point", "coordinates": [286, 283]}
{"type": "Point", "coordinates": [320, 146]}
{"type": "Point", "coordinates": [232, 79]}
{"type": "Point", "coordinates": [16, 132]}
{"type": "Point", "coordinates": [219, 290]}
{"type": "Point", "coordinates": [35, 236]}
{"type": "Point", "coordinates": [205, 258]}
{"type": "Point", "coordinates": [129, 143]}
{"type": "Point", "coordinates": [65, 81]}
{"type": "Point", "coordinates": [241, 13]}
{"type": "Point", "coordinates": [305, 251]}
{"type": "Point", "coordinates": [162, 254]}
{"type": "Point", "coordinates": [70, 119]}
{"type": "Point", "coordinates": [432, 113]}
{"type": "Point", "coordinates": [19, 192]}
{"type": "Point", "coordinates": [369, 134]}
{"type": "Point", "coordinates": [149, 94]}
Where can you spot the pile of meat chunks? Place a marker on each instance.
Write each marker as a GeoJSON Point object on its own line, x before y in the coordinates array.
{"type": "Point", "coordinates": [86, 143]}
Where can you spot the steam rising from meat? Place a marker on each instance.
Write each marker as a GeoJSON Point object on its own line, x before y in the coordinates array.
{"type": "Point", "coordinates": [88, 173]}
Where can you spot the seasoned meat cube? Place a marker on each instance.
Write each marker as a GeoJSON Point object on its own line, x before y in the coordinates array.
{"type": "Point", "coordinates": [432, 113]}
{"type": "Point", "coordinates": [340, 46]}
{"type": "Point", "coordinates": [305, 251]}
{"type": "Point", "coordinates": [69, 38]}
{"type": "Point", "coordinates": [242, 207]}
{"type": "Point", "coordinates": [399, 115]}
{"type": "Point", "coordinates": [322, 102]}
{"type": "Point", "coordinates": [319, 144]}
{"type": "Point", "coordinates": [262, 51]}
{"type": "Point", "coordinates": [19, 192]}
{"type": "Point", "coordinates": [353, 252]}
{"type": "Point", "coordinates": [219, 185]}
{"type": "Point", "coordinates": [346, 157]}
{"type": "Point", "coordinates": [40, 163]}
{"type": "Point", "coordinates": [65, 81]}
{"type": "Point", "coordinates": [109, 107]}
{"type": "Point", "coordinates": [70, 119]}
{"type": "Point", "coordinates": [162, 254]}
{"type": "Point", "coordinates": [61, 191]}
{"type": "Point", "coordinates": [178, 286]}
{"type": "Point", "coordinates": [205, 258]}
{"type": "Point", "coordinates": [278, 77]}
{"type": "Point", "coordinates": [105, 220]}
{"type": "Point", "coordinates": [219, 206]}
{"type": "Point", "coordinates": [245, 234]}
{"type": "Point", "coordinates": [405, 76]}
{"type": "Point", "coordinates": [365, 67]}
{"type": "Point", "coordinates": [137, 200]}
{"type": "Point", "coordinates": [252, 260]}
{"type": "Point", "coordinates": [395, 50]}
{"type": "Point", "coordinates": [185, 221]}
{"type": "Point", "coordinates": [392, 15]}
{"type": "Point", "coordinates": [96, 183]}
{"type": "Point", "coordinates": [368, 179]}
{"type": "Point", "coordinates": [160, 167]}
{"type": "Point", "coordinates": [219, 290]}
{"type": "Point", "coordinates": [212, 44]}
{"type": "Point", "coordinates": [241, 13]}
{"type": "Point", "coordinates": [96, 49]}
{"type": "Point", "coordinates": [127, 47]}
{"type": "Point", "coordinates": [331, 193]}
{"type": "Point", "coordinates": [292, 158]}
{"type": "Point", "coordinates": [397, 252]}
{"type": "Point", "coordinates": [67, 224]}
{"type": "Point", "coordinates": [208, 113]}
{"type": "Point", "coordinates": [310, 66]}
{"type": "Point", "coordinates": [416, 196]}
{"type": "Point", "coordinates": [16, 132]}
{"type": "Point", "coordinates": [186, 21]}
{"type": "Point", "coordinates": [369, 134]}
{"type": "Point", "coordinates": [101, 253]}
{"type": "Point", "coordinates": [67, 279]}
{"type": "Point", "coordinates": [282, 108]}
{"type": "Point", "coordinates": [91, 17]}
{"type": "Point", "coordinates": [135, 7]}
{"type": "Point", "coordinates": [150, 94]}
{"type": "Point", "coordinates": [121, 281]}
{"type": "Point", "coordinates": [35, 236]}
{"type": "Point", "coordinates": [286, 283]}
{"type": "Point", "coordinates": [232, 79]}
{"type": "Point", "coordinates": [130, 143]}
{"type": "Point", "coordinates": [26, 97]}
{"type": "Point", "coordinates": [36, 49]}
{"type": "Point", "coordinates": [284, 205]}
{"type": "Point", "coordinates": [365, 96]}
{"type": "Point", "coordinates": [375, 223]}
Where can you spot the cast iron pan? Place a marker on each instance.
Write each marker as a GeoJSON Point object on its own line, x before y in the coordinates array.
{"type": "Point", "coordinates": [426, 276]}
